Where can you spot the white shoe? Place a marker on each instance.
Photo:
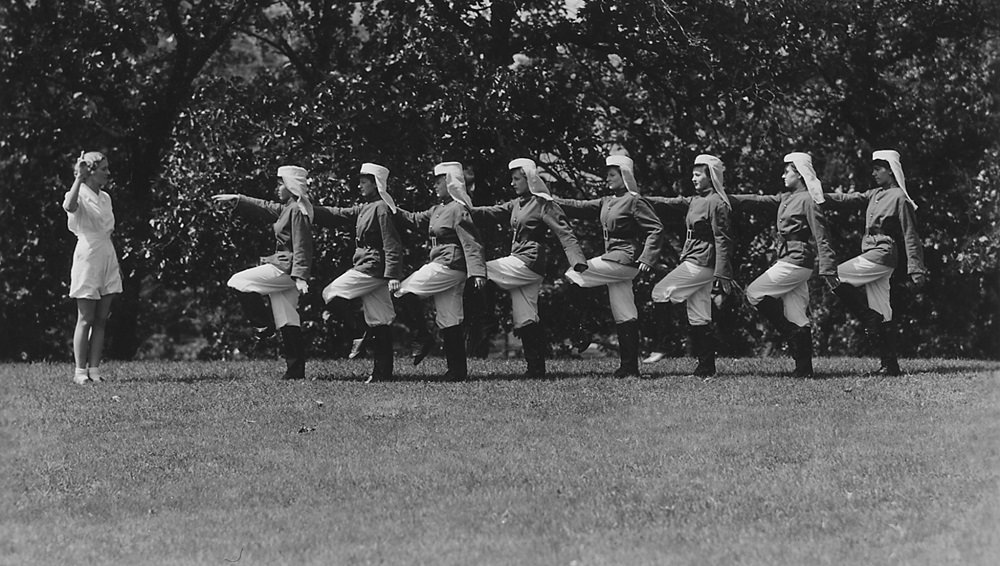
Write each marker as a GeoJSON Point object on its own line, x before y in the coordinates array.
{"type": "Point", "coordinates": [95, 375]}
{"type": "Point", "coordinates": [80, 376]}
{"type": "Point", "coordinates": [654, 357]}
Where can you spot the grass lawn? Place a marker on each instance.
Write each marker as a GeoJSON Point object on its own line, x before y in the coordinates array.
{"type": "Point", "coordinates": [221, 463]}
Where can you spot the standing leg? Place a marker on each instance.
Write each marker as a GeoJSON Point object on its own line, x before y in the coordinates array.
{"type": "Point", "coordinates": [888, 340]}
{"type": "Point", "coordinates": [382, 364]}
{"type": "Point", "coordinates": [628, 349]}
{"type": "Point", "coordinates": [379, 314]}
{"type": "Point", "coordinates": [86, 311]}
{"type": "Point", "coordinates": [524, 311]}
{"type": "Point", "coordinates": [699, 316]}
{"type": "Point", "coordinates": [97, 332]}
{"type": "Point", "coordinates": [284, 306]}
{"type": "Point", "coordinates": [626, 316]}
{"type": "Point", "coordinates": [449, 317]}
{"type": "Point", "coordinates": [534, 346]}
{"type": "Point", "coordinates": [703, 347]}
{"type": "Point", "coordinates": [294, 351]}
{"type": "Point", "coordinates": [454, 350]}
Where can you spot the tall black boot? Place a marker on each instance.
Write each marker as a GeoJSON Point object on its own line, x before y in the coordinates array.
{"type": "Point", "coordinates": [856, 302]}
{"type": "Point", "coordinates": [887, 337]}
{"type": "Point", "coordinates": [628, 349]}
{"type": "Point", "coordinates": [423, 337]}
{"type": "Point", "coordinates": [295, 352]}
{"type": "Point", "coordinates": [703, 347]}
{"type": "Point", "coordinates": [534, 346]}
{"type": "Point", "coordinates": [454, 350]}
{"type": "Point", "coordinates": [257, 314]}
{"type": "Point", "coordinates": [802, 347]}
{"type": "Point", "coordinates": [381, 336]}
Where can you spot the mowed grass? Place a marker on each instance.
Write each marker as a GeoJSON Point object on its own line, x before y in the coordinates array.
{"type": "Point", "coordinates": [222, 463]}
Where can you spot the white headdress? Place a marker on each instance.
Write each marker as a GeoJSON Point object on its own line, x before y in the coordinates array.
{"type": "Point", "coordinates": [892, 156]}
{"type": "Point", "coordinates": [803, 163]}
{"type": "Point", "coordinates": [454, 180]}
{"type": "Point", "coordinates": [536, 185]}
{"type": "Point", "coordinates": [716, 172]}
{"type": "Point", "coordinates": [296, 181]}
{"type": "Point", "coordinates": [381, 175]}
{"type": "Point", "coordinates": [624, 164]}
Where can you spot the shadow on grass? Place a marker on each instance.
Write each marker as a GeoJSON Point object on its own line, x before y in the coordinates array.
{"type": "Point", "coordinates": [186, 379]}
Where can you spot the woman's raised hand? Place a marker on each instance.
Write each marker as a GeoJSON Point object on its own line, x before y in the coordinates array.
{"type": "Point", "coordinates": [82, 168]}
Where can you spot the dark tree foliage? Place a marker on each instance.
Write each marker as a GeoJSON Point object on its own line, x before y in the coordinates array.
{"type": "Point", "coordinates": [190, 99]}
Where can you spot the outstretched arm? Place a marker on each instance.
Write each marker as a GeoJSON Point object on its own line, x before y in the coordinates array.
{"type": "Point", "coordinates": [845, 201]}
{"type": "Point", "coordinates": [255, 208]}
{"type": "Point", "coordinates": [758, 204]}
{"type": "Point", "coordinates": [582, 209]}
{"type": "Point", "coordinates": [495, 213]}
{"type": "Point", "coordinates": [664, 206]}
{"type": "Point", "coordinates": [334, 216]}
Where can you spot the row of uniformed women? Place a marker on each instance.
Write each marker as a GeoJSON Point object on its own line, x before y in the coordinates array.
{"type": "Point", "coordinates": [781, 294]}
{"type": "Point", "coordinates": [632, 233]}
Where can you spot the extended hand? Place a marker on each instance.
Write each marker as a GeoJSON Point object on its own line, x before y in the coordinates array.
{"type": "Point", "coordinates": [918, 280]}
{"type": "Point", "coordinates": [644, 267]}
{"type": "Point", "coordinates": [224, 198]}
{"type": "Point", "coordinates": [302, 285]}
{"type": "Point", "coordinates": [82, 169]}
{"type": "Point", "coordinates": [394, 285]}
{"type": "Point", "coordinates": [478, 282]}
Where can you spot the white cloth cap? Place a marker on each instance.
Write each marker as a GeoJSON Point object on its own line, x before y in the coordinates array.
{"type": "Point", "coordinates": [454, 180]}
{"type": "Point", "coordinates": [892, 156]}
{"type": "Point", "coordinates": [296, 178]}
{"type": "Point", "coordinates": [536, 185]}
{"type": "Point", "coordinates": [624, 164]}
{"type": "Point", "coordinates": [716, 172]}
{"type": "Point", "coordinates": [381, 175]}
{"type": "Point", "coordinates": [803, 163]}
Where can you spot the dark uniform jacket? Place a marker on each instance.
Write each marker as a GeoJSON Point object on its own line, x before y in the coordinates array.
{"type": "Point", "coordinates": [632, 231]}
{"type": "Point", "coordinates": [889, 219]}
{"type": "Point", "coordinates": [293, 244]}
{"type": "Point", "coordinates": [799, 220]}
{"type": "Point", "coordinates": [709, 240]}
{"type": "Point", "coordinates": [379, 250]}
{"type": "Point", "coordinates": [530, 217]}
{"type": "Point", "coordinates": [455, 242]}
